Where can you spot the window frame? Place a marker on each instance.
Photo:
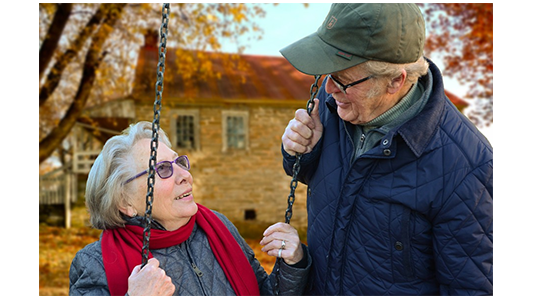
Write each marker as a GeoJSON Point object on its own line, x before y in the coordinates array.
{"type": "Point", "coordinates": [234, 113]}
{"type": "Point", "coordinates": [195, 114]}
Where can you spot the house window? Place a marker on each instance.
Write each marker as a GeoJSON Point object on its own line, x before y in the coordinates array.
{"type": "Point", "coordinates": [234, 130]}
{"type": "Point", "coordinates": [185, 132]}
{"type": "Point", "coordinates": [185, 129]}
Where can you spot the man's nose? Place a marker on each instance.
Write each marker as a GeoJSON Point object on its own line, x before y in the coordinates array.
{"type": "Point", "coordinates": [331, 87]}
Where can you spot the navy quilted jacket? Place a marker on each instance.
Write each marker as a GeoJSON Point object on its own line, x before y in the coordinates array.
{"type": "Point", "coordinates": [412, 216]}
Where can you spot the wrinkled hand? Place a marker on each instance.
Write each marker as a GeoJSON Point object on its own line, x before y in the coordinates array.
{"type": "Point", "coordinates": [150, 281]}
{"type": "Point", "coordinates": [272, 242]}
{"type": "Point", "coordinates": [303, 132]}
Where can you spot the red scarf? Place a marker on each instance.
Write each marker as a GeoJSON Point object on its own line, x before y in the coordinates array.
{"type": "Point", "coordinates": [121, 252]}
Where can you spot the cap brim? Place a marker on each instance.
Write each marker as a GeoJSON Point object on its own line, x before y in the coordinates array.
{"type": "Point", "coordinates": [311, 55]}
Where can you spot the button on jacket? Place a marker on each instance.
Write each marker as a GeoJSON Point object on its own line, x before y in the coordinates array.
{"type": "Point", "coordinates": [411, 216]}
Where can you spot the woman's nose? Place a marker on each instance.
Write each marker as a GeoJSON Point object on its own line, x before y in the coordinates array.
{"type": "Point", "coordinates": [181, 175]}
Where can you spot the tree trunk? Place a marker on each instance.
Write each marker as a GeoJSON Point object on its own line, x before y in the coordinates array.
{"type": "Point", "coordinates": [52, 37]}
{"type": "Point", "coordinates": [92, 62]}
{"type": "Point", "coordinates": [54, 76]}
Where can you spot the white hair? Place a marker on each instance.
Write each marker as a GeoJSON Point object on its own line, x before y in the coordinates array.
{"type": "Point", "coordinates": [385, 72]}
{"type": "Point", "coordinates": [105, 190]}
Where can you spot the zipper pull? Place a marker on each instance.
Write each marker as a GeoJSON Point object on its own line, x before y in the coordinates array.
{"type": "Point", "coordinates": [361, 141]}
{"type": "Point", "coordinates": [198, 272]}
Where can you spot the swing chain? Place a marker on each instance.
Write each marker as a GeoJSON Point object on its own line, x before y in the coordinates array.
{"type": "Point", "coordinates": [294, 182]}
{"type": "Point", "coordinates": [155, 133]}
{"type": "Point", "coordinates": [296, 167]}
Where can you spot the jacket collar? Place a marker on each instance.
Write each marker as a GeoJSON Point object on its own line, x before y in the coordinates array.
{"type": "Point", "coordinates": [418, 131]}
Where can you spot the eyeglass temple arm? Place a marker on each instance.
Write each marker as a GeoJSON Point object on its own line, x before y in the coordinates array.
{"type": "Point", "coordinates": [136, 176]}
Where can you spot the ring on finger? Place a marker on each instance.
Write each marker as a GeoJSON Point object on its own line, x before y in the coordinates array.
{"type": "Point", "coordinates": [279, 252]}
{"type": "Point", "coordinates": [283, 244]}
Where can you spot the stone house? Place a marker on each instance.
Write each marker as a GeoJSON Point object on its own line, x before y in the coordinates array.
{"type": "Point", "coordinates": [230, 128]}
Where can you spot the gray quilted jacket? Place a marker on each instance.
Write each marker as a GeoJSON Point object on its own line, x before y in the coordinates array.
{"type": "Point", "coordinates": [191, 265]}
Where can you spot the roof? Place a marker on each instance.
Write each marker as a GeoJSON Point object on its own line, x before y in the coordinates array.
{"type": "Point", "coordinates": [264, 78]}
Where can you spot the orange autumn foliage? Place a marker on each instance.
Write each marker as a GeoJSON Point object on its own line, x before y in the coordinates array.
{"type": "Point", "coordinates": [462, 33]}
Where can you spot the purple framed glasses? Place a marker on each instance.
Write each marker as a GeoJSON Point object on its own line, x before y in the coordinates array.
{"type": "Point", "coordinates": [165, 169]}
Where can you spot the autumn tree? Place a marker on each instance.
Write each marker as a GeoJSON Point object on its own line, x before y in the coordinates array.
{"type": "Point", "coordinates": [88, 52]}
{"type": "Point", "coordinates": [461, 33]}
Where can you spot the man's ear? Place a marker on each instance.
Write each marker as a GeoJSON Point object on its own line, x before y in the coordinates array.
{"type": "Point", "coordinates": [397, 83]}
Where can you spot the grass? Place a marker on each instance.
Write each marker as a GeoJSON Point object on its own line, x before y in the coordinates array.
{"type": "Point", "coordinates": [58, 246]}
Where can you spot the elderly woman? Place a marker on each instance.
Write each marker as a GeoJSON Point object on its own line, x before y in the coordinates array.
{"type": "Point", "coordinates": [193, 250]}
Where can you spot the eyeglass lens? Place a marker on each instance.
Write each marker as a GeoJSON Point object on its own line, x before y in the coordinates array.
{"type": "Point", "coordinates": [183, 162]}
{"type": "Point", "coordinates": [165, 169]}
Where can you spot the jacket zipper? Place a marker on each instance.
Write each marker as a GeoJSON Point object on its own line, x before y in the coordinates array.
{"type": "Point", "coordinates": [352, 216]}
{"type": "Point", "coordinates": [198, 272]}
{"type": "Point", "coordinates": [353, 155]}
{"type": "Point", "coordinates": [195, 268]}
{"type": "Point", "coordinates": [362, 141]}
{"type": "Point", "coordinates": [352, 162]}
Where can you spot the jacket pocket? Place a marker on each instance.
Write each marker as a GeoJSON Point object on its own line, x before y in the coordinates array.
{"type": "Point", "coordinates": [401, 243]}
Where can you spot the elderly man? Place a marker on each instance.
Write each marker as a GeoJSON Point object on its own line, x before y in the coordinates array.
{"type": "Point", "coordinates": [399, 181]}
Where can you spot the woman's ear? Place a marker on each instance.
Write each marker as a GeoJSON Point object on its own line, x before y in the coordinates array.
{"type": "Point", "coordinates": [128, 210]}
{"type": "Point", "coordinates": [397, 83]}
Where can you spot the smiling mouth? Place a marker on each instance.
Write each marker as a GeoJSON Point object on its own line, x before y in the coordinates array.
{"type": "Point", "coordinates": [183, 196]}
{"type": "Point", "coordinates": [341, 104]}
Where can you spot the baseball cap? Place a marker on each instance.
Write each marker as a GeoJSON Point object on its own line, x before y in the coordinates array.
{"type": "Point", "coordinates": [353, 33]}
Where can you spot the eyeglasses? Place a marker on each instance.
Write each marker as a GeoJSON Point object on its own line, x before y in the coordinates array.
{"type": "Point", "coordinates": [165, 169]}
{"type": "Point", "coordinates": [343, 87]}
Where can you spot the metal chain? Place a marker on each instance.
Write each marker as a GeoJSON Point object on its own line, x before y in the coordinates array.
{"type": "Point", "coordinates": [294, 182]}
{"type": "Point", "coordinates": [155, 133]}
{"type": "Point", "coordinates": [296, 167]}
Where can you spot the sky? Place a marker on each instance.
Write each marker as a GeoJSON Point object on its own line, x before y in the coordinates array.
{"type": "Point", "coordinates": [286, 23]}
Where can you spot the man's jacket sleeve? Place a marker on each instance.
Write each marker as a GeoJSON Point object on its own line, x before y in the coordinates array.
{"type": "Point", "coordinates": [463, 236]}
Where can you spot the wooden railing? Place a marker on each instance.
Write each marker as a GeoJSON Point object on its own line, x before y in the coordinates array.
{"type": "Point", "coordinates": [59, 187]}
